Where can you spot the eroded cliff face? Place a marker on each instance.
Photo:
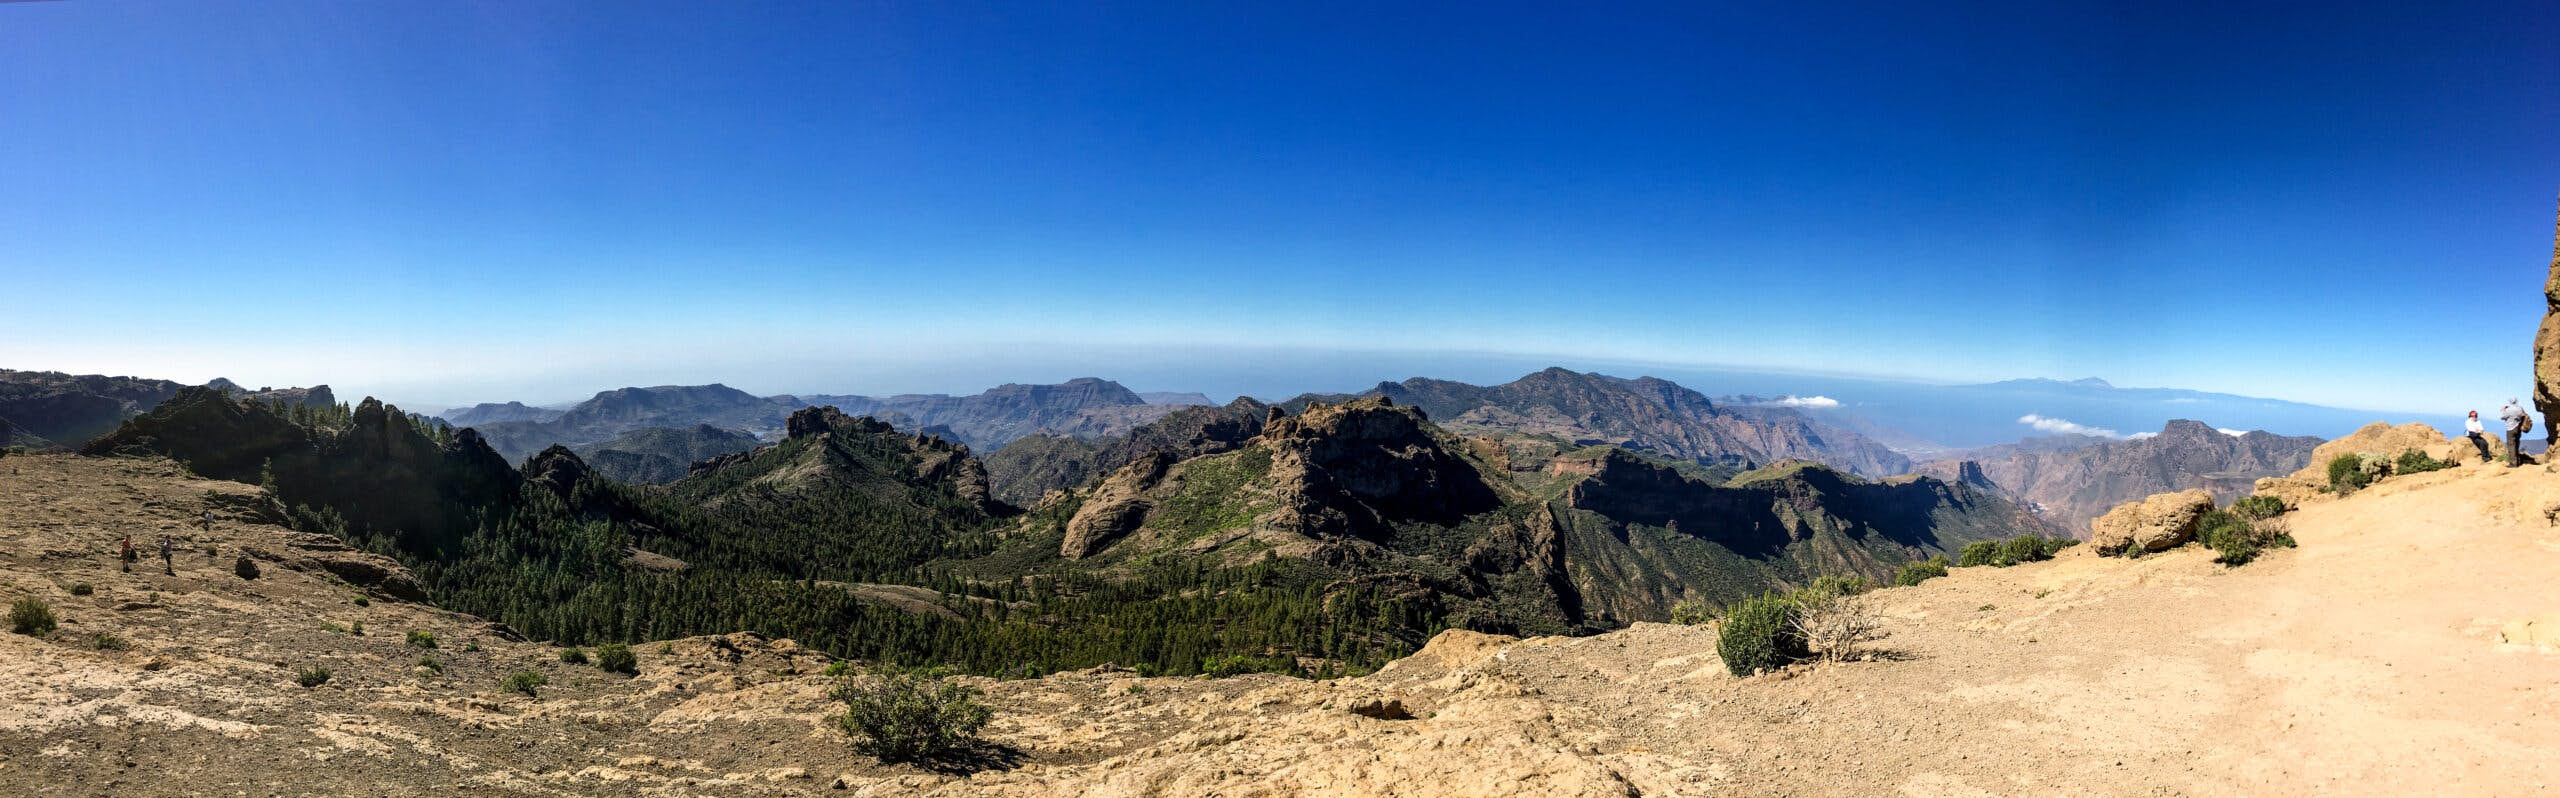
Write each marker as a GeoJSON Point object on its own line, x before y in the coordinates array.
{"type": "Point", "coordinates": [2546, 345]}
{"type": "Point", "coordinates": [1352, 467]}
{"type": "Point", "coordinates": [1337, 470]}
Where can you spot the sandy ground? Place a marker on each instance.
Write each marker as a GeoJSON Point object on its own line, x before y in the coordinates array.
{"type": "Point", "coordinates": [2412, 643]}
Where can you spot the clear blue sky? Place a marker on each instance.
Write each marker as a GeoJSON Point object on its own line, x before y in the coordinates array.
{"type": "Point", "coordinates": [461, 201]}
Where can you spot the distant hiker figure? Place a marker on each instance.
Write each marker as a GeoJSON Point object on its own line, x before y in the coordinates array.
{"type": "Point", "coordinates": [127, 557]}
{"type": "Point", "coordinates": [2517, 424]}
{"type": "Point", "coordinates": [208, 520]}
{"type": "Point", "coordinates": [2479, 437]}
{"type": "Point", "coordinates": [168, 556]}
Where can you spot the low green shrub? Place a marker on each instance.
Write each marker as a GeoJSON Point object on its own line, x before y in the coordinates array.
{"type": "Point", "coordinates": [838, 668]}
{"type": "Point", "coordinates": [1974, 554]}
{"type": "Point", "coordinates": [573, 655]}
{"type": "Point", "coordinates": [2417, 462]}
{"type": "Point", "coordinates": [422, 638]}
{"type": "Point", "coordinates": [1913, 573]}
{"type": "Point", "coordinates": [105, 641]}
{"type": "Point", "coordinates": [902, 718]}
{"type": "Point", "coordinates": [1835, 586]}
{"type": "Point", "coordinates": [2023, 548]}
{"type": "Point", "coordinates": [82, 589]}
{"type": "Point", "coordinates": [363, 602]}
{"type": "Point", "coordinates": [2347, 474]}
{"type": "Point", "coordinates": [2258, 506]}
{"type": "Point", "coordinates": [2005, 553]}
{"type": "Point", "coordinates": [313, 676]}
{"type": "Point", "coordinates": [33, 617]}
{"type": "Point", "coordinates": [2236, 541]}
{"type": "Point", "coordinates": [245, 568]}
{"type": "Point", "coordinates": [1692, 612]}
{"type": "Point", "coordinates": [429, 662]}
{"type": "Point", "coordinates": [524, 681]}
{"type": "Point", "coordinates": [617, 658]}
{"type": "Point", "coordinates": [1760, 634]}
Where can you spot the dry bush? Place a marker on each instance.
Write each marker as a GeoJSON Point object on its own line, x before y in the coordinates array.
{"type": "Point", "coordinates": [1833, 625]}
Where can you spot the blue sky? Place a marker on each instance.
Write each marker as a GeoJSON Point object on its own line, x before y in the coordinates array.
{"type": "Point", "coordinates": [453, 202]}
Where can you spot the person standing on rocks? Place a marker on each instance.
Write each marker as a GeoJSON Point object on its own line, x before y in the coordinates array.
{"type": "Point", "coordinates": [2479, 437]}
{"type": "Point", "coordinates": [2517, 424]}
{"type": "Point", "coordinates": [168, 556]}
{"type": "Point", "coordinates": [126, 557]}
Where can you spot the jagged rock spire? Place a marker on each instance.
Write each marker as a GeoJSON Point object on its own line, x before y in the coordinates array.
{"type": "Point", "coordinates": [2546, 345]}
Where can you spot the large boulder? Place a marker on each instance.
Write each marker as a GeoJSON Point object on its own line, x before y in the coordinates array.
{"type": "Point", "coordinates": [2162, 522]}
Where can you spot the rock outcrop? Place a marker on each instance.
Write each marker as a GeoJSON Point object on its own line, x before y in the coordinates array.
{"type": "Point", "coordinates": [2546, 345]}
{"type": "Point", "coordinates": [2383, 439]}
{"type": "Point", "coordinates": [829, 456]}
{"type": "Point", "coordinates": [1352, 467]}
{"type": "Point", "coordinates": [1118, 507]}
{"type": "Point", "coordinates": [2159, 523]}
{"type": "Point", "coordinates": [558, 470]}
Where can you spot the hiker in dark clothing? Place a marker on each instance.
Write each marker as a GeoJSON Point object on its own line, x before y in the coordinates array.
{"type": "Point", "coordinates": [2479, 437]}
{"type": "Point", "coordinates": [208, 520]}
{"type": "Point", "coordinates": [127, 557]}
{"type": "Point", "coordinates": [2517, 424]}
{"type": "Point", "coordinates": [168, 556]}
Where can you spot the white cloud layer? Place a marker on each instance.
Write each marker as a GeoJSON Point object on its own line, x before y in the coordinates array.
{"type": "Point", "coordinates": [2059, 426]}
{"type": "Point", "coordinates": [1822, 402]}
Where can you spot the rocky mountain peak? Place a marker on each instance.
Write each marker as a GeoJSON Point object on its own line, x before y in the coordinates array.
{"type": "Point", "coordinates": [1370, 459]}
{"type": "Point", "coordinates": [2189, 429]}
{"type": "Point", "coordinates": [1373, 420]}
{"type": "Point", "coordinates": [557, 469]}
{"type": "Point", "coordinates": [811, 421]}
{"type": "Point", "coordinates": [1970, 472]}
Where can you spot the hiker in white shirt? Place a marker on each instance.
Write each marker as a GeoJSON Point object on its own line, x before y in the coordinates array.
{"type": "Point", "coordinates": [2479, 437]}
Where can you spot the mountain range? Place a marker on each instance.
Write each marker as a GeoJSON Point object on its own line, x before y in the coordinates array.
{"type": "Point", "coordinates": [1646, 414]}
{"type": "Point", "coordinates": [45, 409]}
{"type": "Point", "coordinates": [2072, 479]}
{"type": "Point", "coordinates": [1083, 407]}
{"type": "Point", "coordinates": [1364, 511]}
